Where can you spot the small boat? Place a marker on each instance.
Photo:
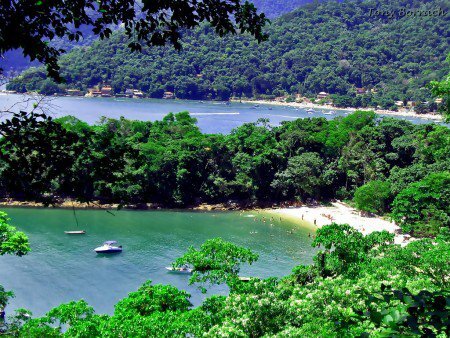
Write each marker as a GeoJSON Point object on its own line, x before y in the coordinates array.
{"type": "Point", "coordinates": [184, 269]}
{"type": "Point", "coordinates": [329, 112]}
{"type": "Point", "coordinates": [75, 232]}
{"type": "Point", "coordinates": [310, 111]}
{"type": "Point", "coordinates": [109, 247]}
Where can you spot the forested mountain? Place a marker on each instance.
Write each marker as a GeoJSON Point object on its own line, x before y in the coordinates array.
{"type": "Point", "coordinates": [14, 61]}
{"type": "Point", "coordinates": [275, 8]}
{"type": "Point", "coordinates": [333, 47]}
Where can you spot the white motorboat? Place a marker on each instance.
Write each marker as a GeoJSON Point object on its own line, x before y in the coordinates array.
{"type": "Point", "coordinates": [184, 269]}
{"type": "Point", "coordinates": [109, 247]}
{"type": "Point", "coordinates": [310, 111]}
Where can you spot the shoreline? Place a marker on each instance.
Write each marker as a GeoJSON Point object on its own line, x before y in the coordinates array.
{"type": "Point", "coordinates": [341, 213]}
{"type": "Point", "coordinates": [303, 105]}
{"type": "Point", "coordinates": [312, 216]}
{"type": "Point", "coordinates": [98, 205]}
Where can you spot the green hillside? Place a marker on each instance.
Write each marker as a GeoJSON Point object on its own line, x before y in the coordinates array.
{"type": "Point", "coordinates": [332, 47]}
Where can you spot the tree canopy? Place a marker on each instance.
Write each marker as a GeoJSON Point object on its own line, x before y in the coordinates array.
{"type": "Point", "coordinates": [30, 25]}
{"type": "Point", "coordinates": [171, 163]}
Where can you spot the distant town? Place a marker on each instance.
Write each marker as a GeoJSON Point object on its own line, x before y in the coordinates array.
{"type": "Point", "coordinates": [322, 99]}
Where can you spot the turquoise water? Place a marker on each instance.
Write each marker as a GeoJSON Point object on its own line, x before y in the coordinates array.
{"type": "Point", "coordinates": [213, 117]}
{"type": "Point", "coordinates": [61, 267]}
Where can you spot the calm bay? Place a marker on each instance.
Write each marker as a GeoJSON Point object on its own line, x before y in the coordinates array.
{"type": "Point", "coordinates": [61, 267]}
{"type": "Point", "coordinates": [213, 117]}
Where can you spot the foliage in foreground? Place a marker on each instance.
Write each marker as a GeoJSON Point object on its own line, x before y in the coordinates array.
{"type": "Point", "coordinates": [12, 242]}
{"type": "Point", "coordinates": [363, 286]}
{"type": "Point", "coordinates": [30, 26]}
{"type": "Point", "coordinates": [173, 164]}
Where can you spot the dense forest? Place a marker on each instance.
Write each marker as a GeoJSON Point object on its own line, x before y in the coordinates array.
{"type": "Point", "coordinates": [384, 165]}
{"type": "Point", "coordinates": [332, 47]}
{"type": "Point", "coordinates": [13, 61]}
{"type": "Point", "coordinates": [275, 8]}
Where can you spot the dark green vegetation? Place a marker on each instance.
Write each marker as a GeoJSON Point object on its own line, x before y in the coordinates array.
{"type": "Point", "coordinates": [14, 61]}
{"type": "Point", "coordinates": [382, 162]}
{"type": "Point", "coordinates": [332, 47]}
{"type": "Point", "coordinates": [365, 286]}
{"type": "Point", "coordinates": [12, 242]}
{"type": "Point", "coordinates": [275, 8]}
{"type": "Point", "coordinates": [30, 25]}
{"type": "Point", "coordinates": [441, 89]}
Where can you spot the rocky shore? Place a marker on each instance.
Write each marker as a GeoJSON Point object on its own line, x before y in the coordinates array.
{"type": "Point", "coordinates": [69, 204]}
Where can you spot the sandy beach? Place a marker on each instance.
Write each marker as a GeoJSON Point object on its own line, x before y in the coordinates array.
{"type": "Point", "coordinates": [342, 213]}
{"type": "Point", "coordinates": [305, 105]}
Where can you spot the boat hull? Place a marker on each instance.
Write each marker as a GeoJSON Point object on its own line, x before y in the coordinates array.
{"type": "Point", "coordinates": [108, 249]}
{"type": "Point", "coordinates": [179, 270]}
{"type": "Point", "coordinates": [78, 232]}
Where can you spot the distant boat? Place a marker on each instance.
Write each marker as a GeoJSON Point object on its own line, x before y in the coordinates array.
{"type": "Point", "coordinates": [109, 247]}
{"type": "Point", "coordinates": [183, 269]}
{"type": "Point", "coordinates": [270, 108]}
{"type": "Point", "coordinates": [75, 232]}
{"type": "Point", "coordinates": [310, 111]}
{"type": "Point", "coordinates": [329, 112]}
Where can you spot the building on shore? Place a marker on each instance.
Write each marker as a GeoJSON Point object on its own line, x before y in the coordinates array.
{"type": "Point", "coordinates": [74, 92]}
{"type": "Point", "coordinates": [361, 91]}
{"type": "Point", "coordinates": [94, 92]}
{"type": "Point", "coordinates": [168, 96]}
{"type": "Point", "coordinates": [322, 95]}
{"type": "Point", "coordinates": [106, 91]}
{"type": "Point", "coordinates": [129, 92]}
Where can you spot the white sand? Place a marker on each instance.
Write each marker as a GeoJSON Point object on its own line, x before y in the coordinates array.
{"type": "Point", "coordinates": [341, 213]}
{"type": "Point", "coordinates": [402, 112]}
